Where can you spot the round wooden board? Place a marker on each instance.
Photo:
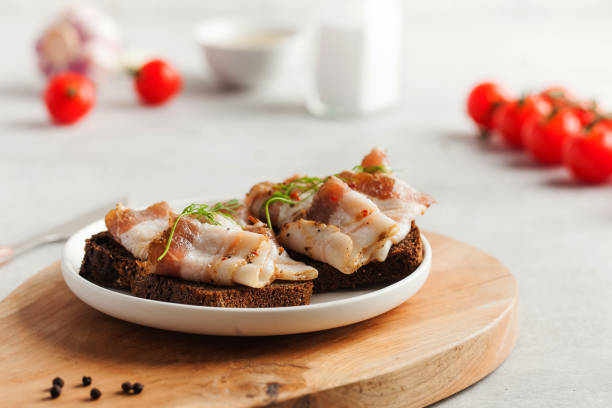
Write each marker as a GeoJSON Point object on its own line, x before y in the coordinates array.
{"type": "Point", "coordinates": [456, 330]}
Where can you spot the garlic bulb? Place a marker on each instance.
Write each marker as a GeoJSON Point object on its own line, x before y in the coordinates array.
{"type": "Point", "coordinates": [83, 39]}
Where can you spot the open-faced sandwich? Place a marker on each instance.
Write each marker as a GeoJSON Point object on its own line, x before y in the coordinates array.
{"type": "Point", "coordinates": [200, 257]}
{"type": "Point", "coordinates": [342, 231]}
{"type": "Point", "coordinates": [355, 227]}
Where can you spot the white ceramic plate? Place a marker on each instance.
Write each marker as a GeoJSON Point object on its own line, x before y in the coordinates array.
{"type": "Point", "coordinates": [326, 311]}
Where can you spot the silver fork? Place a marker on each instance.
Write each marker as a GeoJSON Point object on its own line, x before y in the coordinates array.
{"type": "Point", "coordinates": [57, 234]}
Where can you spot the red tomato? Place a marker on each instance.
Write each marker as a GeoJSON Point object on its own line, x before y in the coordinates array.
{"type": "Point", "coordinates": [483, 101]}
{"type": "Point", "coordinates": [589, 157]}
{"type": "Point", "coordinates": [545, 137]}
{"type": "Point", "coordinates": [587, 111]}
{"type": "Point", "coordinates": [69, 96]}
{"type": "Point", "coordinates": [510, 119]}
{"type": "Point", "coordinates": [558, 96]}
{"type": "Point", "coordinates": [156, 82]}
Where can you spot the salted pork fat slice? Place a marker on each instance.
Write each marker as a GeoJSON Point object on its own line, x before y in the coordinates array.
{"type": "Point", "coordinates": [346, 220]}
{"type": "Point", "coordinates": [215, 250]}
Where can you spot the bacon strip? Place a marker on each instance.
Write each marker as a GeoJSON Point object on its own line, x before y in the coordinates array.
{"type": "Point", "coordinates": [222, 254]}
{"type": "Point", "coordinates": [392, 196]}
{"type": "Point", "coordinates": [336, 225]}
{"type": "Point", "coordinates": [203, 252]}
{"type": "Point", "coordinates": [286, 268]}
{"type": "Point", "coordinates": [136, 229]}
{"type": "Point", "coordinates": [352, 219]}
{"type": "Point", "coordinates": [280, 213]}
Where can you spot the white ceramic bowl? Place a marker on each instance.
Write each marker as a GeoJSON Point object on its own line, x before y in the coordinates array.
{"type": "Point", "coordinates": [238, 62]}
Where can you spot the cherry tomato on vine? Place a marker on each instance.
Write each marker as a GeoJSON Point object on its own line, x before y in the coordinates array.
{"type": "Point", "coordinates": [589, 156]}
{"type": "Point", "coordinates": [68, 97]}
{"type": "Point", "coordinates": [587, 112]}
{"type": "Point", "coordinates": [483, 101]}
{"type": "Point", "coordinates": [157, 82]}
{"type": "Point", "coordinates": [510, 119]}
{"type": "Point", "coordinates": [544, 137]}
{"type": "Point", "coordinates": [558, 96]}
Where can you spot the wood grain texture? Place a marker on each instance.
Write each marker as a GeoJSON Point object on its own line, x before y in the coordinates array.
{"type": "Point", "coordinates": [456, 330]}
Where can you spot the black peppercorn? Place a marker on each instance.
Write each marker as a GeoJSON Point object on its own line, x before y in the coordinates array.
{"type": "Point", "coordinates": [95, 393]}
{"type": "Point", "coordinates": [126, 387]}
{"type": "Point", "coordinates": [55, 391]}
{"type": "Point", "coordinates": [137, 388]}
{"type": "Point", "coordinates": [86, 381]}
{"type": "Point", "coordinates": [58, 381]}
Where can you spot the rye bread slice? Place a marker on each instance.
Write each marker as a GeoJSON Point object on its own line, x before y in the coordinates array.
{"type": "Point", "coordinates": [108, 263]}
{"type": "Point", "coordinates": [403, 259]}
{"type": "Point", "coordinates": [277, 294]}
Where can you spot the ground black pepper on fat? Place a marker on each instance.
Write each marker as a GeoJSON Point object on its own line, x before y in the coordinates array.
{"type": "Point", "coordinates": [137, 388]}
{"type": "Point", "coordinates": [55, 391]}
{"type": "Point", "coordinates": [95, 393]}
{"type": "Point", "coordinates": [58, 381]}
{"type": "Point", "coordinates": [86, 381]}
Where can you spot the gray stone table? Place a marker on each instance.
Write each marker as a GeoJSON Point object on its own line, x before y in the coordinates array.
{"type": "Point", "coordinates": [555, 235]}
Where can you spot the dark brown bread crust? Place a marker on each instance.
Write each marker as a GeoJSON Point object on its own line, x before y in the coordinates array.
{"type": "Point", "coordinates": [277, 294]}
{"type": "Point", "coordinates": [107, 263]}
{"type": "Point", "coordinates": [402, 260]}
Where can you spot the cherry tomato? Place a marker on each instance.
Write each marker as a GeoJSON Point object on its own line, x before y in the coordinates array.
{"type": "Point", "coordinates": [558, 96]}
{"type": "Point", "coordinates": [545, 137]}
{"type": "Point", "coordinates": [510, 119]}
{"type": "Point", "coordinates": [589, 157]}
{"type": "Point", "coordinates": [483, 101]}
{"type": "Point", "coordinates": [587, 112]}
{"type": "Point", "coordinates": [69, 96]}
{"type": "Point", "coordinates": [157, 82]}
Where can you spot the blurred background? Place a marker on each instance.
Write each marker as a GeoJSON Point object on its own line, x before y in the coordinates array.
{"type": "Point", "coordinates": [449, 47]}
{"type": "Point", "coordinates": [210, 142]}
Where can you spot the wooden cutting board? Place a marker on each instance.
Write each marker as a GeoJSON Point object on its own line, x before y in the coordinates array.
{"type": "Point", "coordinates": [456, 330]}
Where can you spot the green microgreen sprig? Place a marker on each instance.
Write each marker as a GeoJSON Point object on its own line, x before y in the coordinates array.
{"type": "Point", "coordinates": [283, 192]}
{"type": "Point", "coordinates": [202, 211]}
{"type": "Point", "coordinates": [371, 169]}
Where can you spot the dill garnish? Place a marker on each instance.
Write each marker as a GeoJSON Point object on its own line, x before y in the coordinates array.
{"type": "Point", "coordinates": [200, 211]}
{"type": "Point", "coordinates": [371, 169]}
{"type": "Point", "coordinates": [288, 193]}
